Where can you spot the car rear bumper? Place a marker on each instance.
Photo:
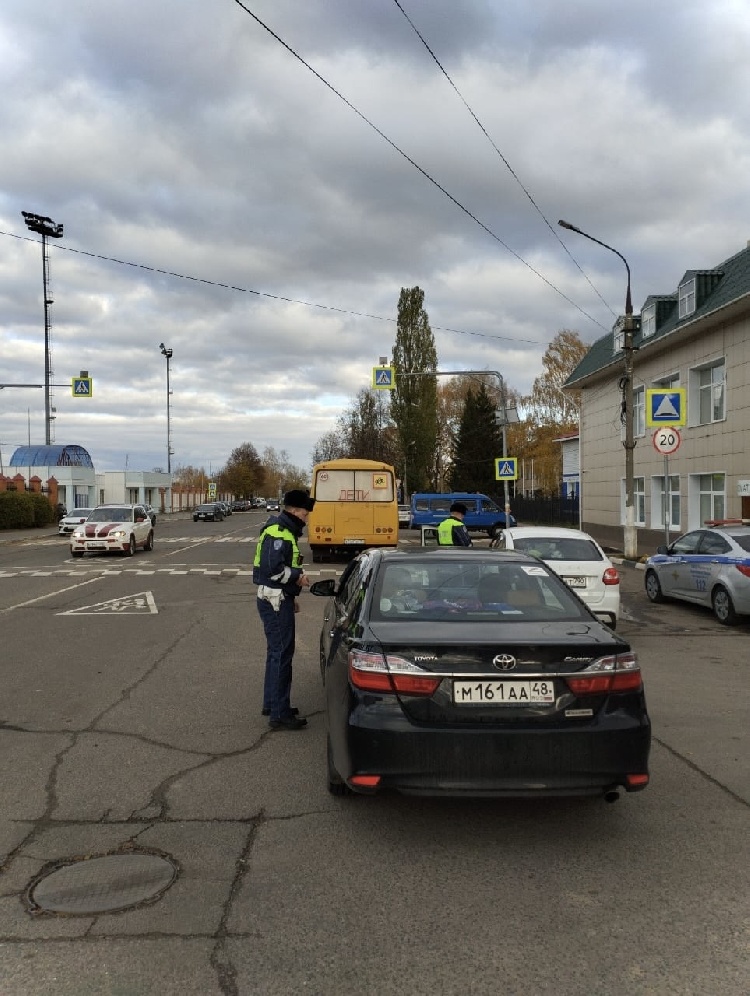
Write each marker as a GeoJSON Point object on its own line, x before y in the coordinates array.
{"type": "Point", "coordinates": [519, 761]}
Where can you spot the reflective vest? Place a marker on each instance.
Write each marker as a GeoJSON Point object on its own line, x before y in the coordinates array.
{"type": "Point", "coordinates": [278, 532]}
{"type": "Point", "coordinates": [445, 530]}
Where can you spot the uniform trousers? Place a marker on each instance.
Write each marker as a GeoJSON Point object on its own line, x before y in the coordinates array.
{"type": "Point", "coordinates": [279, 630]}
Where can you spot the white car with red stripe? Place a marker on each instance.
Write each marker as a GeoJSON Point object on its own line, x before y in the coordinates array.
{"type": "Point", "coordinates": [113, 529]}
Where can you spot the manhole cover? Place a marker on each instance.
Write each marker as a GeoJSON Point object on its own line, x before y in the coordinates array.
{"type": "Point", "coordinates": [105, 884]}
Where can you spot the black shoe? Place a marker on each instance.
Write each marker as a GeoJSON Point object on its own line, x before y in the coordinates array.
{"type": "Point", "coordinates": [267, 712]}
{"type": "Point", "coordinates": [287, 723]}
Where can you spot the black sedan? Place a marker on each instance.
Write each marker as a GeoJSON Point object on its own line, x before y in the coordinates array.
{"type": "Point", "coordinates": [212, 511]}
{"type": "Point", "coordinates": [475, 672]}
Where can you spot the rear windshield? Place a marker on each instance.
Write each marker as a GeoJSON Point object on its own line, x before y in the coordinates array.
{"type": "Point", "coordinates": [441, 591]}
{"type": "Point", "coordinates": [743, 541]}
{"type": "Point", "coordinates": [354, 485]}
{"type": "Point", "coordinates": [558, 549]}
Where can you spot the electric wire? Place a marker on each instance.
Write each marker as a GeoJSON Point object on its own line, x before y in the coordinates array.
{"type": "Point", "coordinates": [416, 165]}
{"type": "Point", "coordinates": [505, 161]}
{"type": "Point", "coordinates": [273, 297]}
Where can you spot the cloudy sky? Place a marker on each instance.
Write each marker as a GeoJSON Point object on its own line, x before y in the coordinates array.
{"type": "Point", "coordinates": [253, 183]}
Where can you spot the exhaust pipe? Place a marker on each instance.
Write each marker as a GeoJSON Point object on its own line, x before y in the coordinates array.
{"type": "Point", "coordinates": [611, 795]}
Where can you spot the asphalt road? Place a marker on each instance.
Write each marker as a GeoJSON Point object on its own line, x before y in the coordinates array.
{"type": "Point", "coordinates": [130, 721]}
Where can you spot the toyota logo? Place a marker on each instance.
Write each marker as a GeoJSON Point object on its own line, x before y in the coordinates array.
{"type": "Point", "coordinates": [504, 661]}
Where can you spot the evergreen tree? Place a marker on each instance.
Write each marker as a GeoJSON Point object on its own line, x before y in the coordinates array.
{"type": "Point", "coordinates": [478, 444]}
{"type": "Point", "coordinates": [414, 400]}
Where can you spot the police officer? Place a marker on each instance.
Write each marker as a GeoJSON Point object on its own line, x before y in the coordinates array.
{"type": "Point", "coordinates": [277, 570]}
{"type": "Point", "coordinates": [452, 531]}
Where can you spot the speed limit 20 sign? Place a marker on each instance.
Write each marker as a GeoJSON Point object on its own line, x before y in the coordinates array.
{"type": "Point", "coordinates": [667, 440]}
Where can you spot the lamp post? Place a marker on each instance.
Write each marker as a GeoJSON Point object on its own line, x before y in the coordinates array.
{"type": "Point", "coordinates": [47, 228]}
{"type": "Point", "coordinates": [630, 536]}
{"type": "Point", "coordinates": [167, 353]}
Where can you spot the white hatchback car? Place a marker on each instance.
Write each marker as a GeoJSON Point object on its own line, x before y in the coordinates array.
{"type": "Point", "coordinates": [577, 558]}
{"type": "Point", "coordinates": [113, 529]}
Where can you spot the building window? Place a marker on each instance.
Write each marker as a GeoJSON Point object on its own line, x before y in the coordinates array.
{"type": "Point", "coordinates": [708, 393]}
{"type": "Point", "coordinates": [639, 501]}
{"type": "Point", "coordinates": [711, 496]}
{"type": "Point", "coordinates": [671, 380]}
{"type": "Point", "coordinates": [686, 298]}
{"type": "Point", "coordinates": [648, 321]}
{"type": "Point", "coordinates": [673, 502]}
{"type": "Point", "coordinates": [639, 411]}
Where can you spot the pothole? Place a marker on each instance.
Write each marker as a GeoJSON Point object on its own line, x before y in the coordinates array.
{"type": "Point", "coordinates": [106, 883]}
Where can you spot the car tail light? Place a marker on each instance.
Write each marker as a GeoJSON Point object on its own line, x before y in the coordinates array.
{"type": "Point", "coordinates": [375, 673]}
{"type": "Point", "coordinates": [617, 673]}
{"type": "Point", "coordinates": [743, 569]}
{"type": "Point", "coordinates": [366, 781]}
{"type": "Point", "coordinates": [611, 576]}
{"type": "Point", "coordinates": [636, 781]}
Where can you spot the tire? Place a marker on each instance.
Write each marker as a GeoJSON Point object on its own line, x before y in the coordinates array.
{"type": "Point", "coordinates": [653, 588]}
{"type": "Point", "coordinates": [317, 556]}
{"type": "Point", "coordinates": [336, 785]}
{"type": "Point", "coordinates": [149, 544]}
{"type": "Point", "coordinates": [195, 518]}
{"type": "Point", "coordinates": [723, 606]}
{"type": "Point", "coordinates": [130, 551]}
{"type": "Point", "coordinates": [76, 553]}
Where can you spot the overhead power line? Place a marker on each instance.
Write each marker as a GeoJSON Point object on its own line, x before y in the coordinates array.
{"type": "Point", "coordinates": [273, 297]}
{"type": "Point", "coordinates": [416, 165]}
{"type": "Point", "coordinates": [510, 169]}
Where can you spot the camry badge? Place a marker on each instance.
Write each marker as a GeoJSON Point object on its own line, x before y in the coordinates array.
{"type": "Point", "coordinates": [504, 661]}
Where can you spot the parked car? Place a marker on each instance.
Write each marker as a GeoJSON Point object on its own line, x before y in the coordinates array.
{"type": "Point", "coordinates": [151, 513]}
{"type": "Point", "coordinates": [577, 558]}
{"type": "Point", "coordinates": [709, 567]}
{"type": "Point", "coordinates": [272, 505]}
{"type": "Point", "coordinates": [475, 672]}
{"type": "Point", "coordinates": [240, 505]}
{"type": "Point", "coordinates": [259, 502]}
{"type": "Point", "coordinates": [70, 520]}
{"type": "Point", "coordinates": [404, 515]}
{"type": "Point", "coordinates": [211, 510]}
{"type": "Point", "coordinates": [225, 506]}
{"type": "Point", "coordinates": [113, 529]}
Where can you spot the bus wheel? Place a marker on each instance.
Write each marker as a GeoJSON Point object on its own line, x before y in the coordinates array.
{"type": "Point", "coordinates": [316, 555]}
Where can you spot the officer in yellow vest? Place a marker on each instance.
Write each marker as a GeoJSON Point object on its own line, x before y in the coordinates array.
{"type": "Point", "coordinates": [277, 570]}
{"type": "Point", "coordinates": [452, 531]}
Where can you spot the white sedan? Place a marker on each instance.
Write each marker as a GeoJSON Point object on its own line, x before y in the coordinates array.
{"type": "Point", "coordinates": [577, 558]}
{"type": "Point", "coordinates": [77, 517]}
{"type": "Point", "coordinates": [113, 529]}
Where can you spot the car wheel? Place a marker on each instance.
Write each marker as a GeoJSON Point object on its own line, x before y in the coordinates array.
{"type": "Point", "coordinates": [76, 553]}
{"type": "Point", "coordinates": [336, 785]}
{"type": "Point", "coordinates": [195, 518]}
{"type": "Point", "coordinates": [129, 550]}
{"type": "Point", "coordinates": [723, 606]}
{"type": "Point", "coordinates": [653, 588]}
{"type": "Point", "coordinates": [149, 544]}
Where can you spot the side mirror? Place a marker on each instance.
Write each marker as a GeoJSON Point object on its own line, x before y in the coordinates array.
{"type": "Point", "coordinates": [326, 588]}
{"type": "Point", "coordinates": [662, 549]}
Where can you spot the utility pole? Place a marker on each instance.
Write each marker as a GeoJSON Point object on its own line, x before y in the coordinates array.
{"type": "Point", "coordinates": [47, 228]}
{"type": "Point", "coordinates": [630, 537]}
{"type": "Point", "coordinates": [167, 353]}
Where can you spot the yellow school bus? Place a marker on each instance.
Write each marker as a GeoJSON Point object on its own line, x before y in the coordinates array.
{"type": "Point", "coordinates": [356, 506]}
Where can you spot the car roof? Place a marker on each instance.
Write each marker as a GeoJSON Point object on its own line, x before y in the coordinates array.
{"type": "Point", "coordinates": [731, 530]}
{"type": "Point", "coordinates": [452, 554]}
{"type": "Point", "coordinates": [549, 531]}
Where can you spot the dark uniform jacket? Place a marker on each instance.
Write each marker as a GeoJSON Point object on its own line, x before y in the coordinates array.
{"type": "Point", "coordinates": [278, 562]}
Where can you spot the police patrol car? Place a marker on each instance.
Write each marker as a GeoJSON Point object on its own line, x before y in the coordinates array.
{"type": "Point", "coordinates": [708, 566]}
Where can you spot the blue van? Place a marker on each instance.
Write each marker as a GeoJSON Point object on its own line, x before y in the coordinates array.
{"type": "Point", "coordinates": [483, 515]}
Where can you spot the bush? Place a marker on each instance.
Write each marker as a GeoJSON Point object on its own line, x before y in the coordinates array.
{"type": "Point", "coordinates": [24, 510]}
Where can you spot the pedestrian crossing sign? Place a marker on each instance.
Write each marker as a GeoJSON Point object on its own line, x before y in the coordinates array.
{"type": "Point", "coordinates": [383, 378]}
{"type": "Point", "coordinates": [82, 387]}
{"type": "Point", "coordinates": [666, 406]}
{"type": "Point", "coordinates": [506, 468]}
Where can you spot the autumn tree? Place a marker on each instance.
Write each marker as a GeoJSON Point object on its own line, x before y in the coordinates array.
{"type": "Point", "coordinates": [194, 478]}
{"type": "Point", "coordinates": [281, 474]}
{"type": "Point", "coordinates": [243, 474]}
{"type": "Point", "coordinates": [414, 399]}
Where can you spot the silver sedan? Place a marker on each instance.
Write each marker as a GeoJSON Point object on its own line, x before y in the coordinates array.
{"type": "Point", "coordinates": [709, 566]}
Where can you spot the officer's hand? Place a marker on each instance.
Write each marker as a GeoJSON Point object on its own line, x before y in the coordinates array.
{"type": "Point", "coordinates": [303, 581]}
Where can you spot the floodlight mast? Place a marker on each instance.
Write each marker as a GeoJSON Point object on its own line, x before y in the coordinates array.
{"type": "Point", "coordinates": [48, 229]}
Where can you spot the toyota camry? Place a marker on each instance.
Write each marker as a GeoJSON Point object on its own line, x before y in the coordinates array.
{"type": "Point", "coordinates": [475, 672]}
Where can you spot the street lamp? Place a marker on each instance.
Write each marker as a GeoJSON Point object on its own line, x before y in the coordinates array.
{"type": "Point", "coordinates": [47, 228]}
{"type": "Point", "coordinates": [168, 354]}
{"type": "Point", "coordinates": [630, 537]}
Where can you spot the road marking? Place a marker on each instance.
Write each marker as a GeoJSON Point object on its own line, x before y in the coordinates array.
{"type": "Point", "coordinates": [51, 594]}
{"type": "Point", "coordinates": [141, 604]}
